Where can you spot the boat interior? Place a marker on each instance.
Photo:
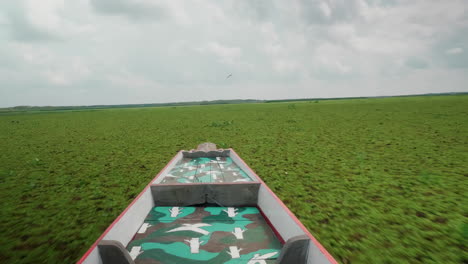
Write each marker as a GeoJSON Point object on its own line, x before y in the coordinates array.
{"type": "Point", "coordinates": [206, 206]}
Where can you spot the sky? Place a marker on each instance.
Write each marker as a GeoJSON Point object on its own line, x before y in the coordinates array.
{"type": "Point", "coordinates": [87, 52]}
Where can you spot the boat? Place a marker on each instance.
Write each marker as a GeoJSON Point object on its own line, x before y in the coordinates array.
{"type": "Point", "coordinates": [206, 206]}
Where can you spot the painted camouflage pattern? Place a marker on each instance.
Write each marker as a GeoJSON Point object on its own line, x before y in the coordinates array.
{"type": "Point", "coordinates": [204, 235]}
{"type": "Point", "coordinates": [206, 170]}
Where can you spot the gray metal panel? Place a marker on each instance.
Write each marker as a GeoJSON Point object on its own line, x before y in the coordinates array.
{"type": "Point", "coordinates": [178, 195]}
{"type": "Point", "coordinates": [316, 256]}
{"type": "Point", "coordinates": [277, 214]}
{"type": "Point", "coordinates": [113, 252]}
{"type": "Point", "coordinates": [206, 154]}
{"type": "Point", "coordinates": [236, 194]}
{"type": "Point", "coordinates": [124, 229]}
{"type": "Point", "coordinates": [295, 250]}
{"type": "Point", "coordinates": [245, 194]}
{"type": "Point", "coordinates": [93, 257]}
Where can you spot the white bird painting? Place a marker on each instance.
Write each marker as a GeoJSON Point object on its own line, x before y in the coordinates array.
{"type": "Point", "coordinates": [257, 259]}
{"type": "Point", "coordinates": [175, 211]}
{"type": "Point", "coordinates": [191, 227]}
{"type": "Point", "coordinates": [194, 245]}
{"type": "Point", "coordinates": [231, 211]}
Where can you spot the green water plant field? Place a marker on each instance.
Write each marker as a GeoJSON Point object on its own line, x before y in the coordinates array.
{"type": "Point", "coordinates": [374, 180]}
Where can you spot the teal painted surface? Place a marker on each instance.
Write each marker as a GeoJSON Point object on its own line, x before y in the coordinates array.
{"type": "Point", "coordinates": [166, 240]}
{"type": "Point", "coordinates": [241, 212]}
{"type": "Point", "coordinates": [185, 211]}
{"type": "Point", "coordinates": [247, 257]}
{"type": "Point", "coordinates": [206, 170]}
{"type": "Point", "coordinates": [179, 249]}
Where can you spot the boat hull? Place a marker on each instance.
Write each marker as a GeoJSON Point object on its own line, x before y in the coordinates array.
{"type": "Point", "coordinates": [252, 192]}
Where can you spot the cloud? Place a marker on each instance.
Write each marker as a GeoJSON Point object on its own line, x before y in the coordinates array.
{"type": "Point", "coordinates": [22, 29]}
{"type": "Point", "coordinates": [450, 51]}
{"type": "Point", "coordinates": [416, 63]}
{"type": "Point", "coordinates": [225, 53]}
{"type": "Point", "coordinates": [44, 21]}
{"type": "Point", "coordinates": [331, 11]}
{"type": "Point", "coordinates": [453, 51]}
{"type": "Point", "coordinates": [257, 10]}
{"type": "Point", "coordinates": [133, 9]}
{"type": "Point", "coordinates": [57, 52]}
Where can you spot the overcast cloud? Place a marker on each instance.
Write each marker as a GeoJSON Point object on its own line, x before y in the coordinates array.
{"type": "Point", "coordinates": [83, 52]}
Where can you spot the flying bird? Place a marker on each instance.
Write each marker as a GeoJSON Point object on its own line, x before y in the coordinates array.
{"type": "Point", "coordinates": [229, 76]}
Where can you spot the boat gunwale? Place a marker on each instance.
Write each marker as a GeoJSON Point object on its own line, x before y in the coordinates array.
{"type": "Point", "coordinates": [204, 183]}
{"type": "Point", "coordinates": [293, 217]}
{"type": "Point", "coordinates": [109, 228]}
{"type": "Point", "coordinates": [251, 173]}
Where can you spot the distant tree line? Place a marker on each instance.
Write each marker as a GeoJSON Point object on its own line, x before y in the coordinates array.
{"type": "Point", "coordinates": [213, 102]}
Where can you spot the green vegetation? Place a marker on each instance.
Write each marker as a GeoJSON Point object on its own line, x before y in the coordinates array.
{"type": "Point", "coordinates": [374, 180]}
{"type": "Point", "coordinates": [26, 108]}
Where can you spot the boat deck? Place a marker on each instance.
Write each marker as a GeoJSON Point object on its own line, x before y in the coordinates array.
{"type": "Point", "coordinates": [204, 235]}
{"type": "Point", "coordinates": [206, 170]}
